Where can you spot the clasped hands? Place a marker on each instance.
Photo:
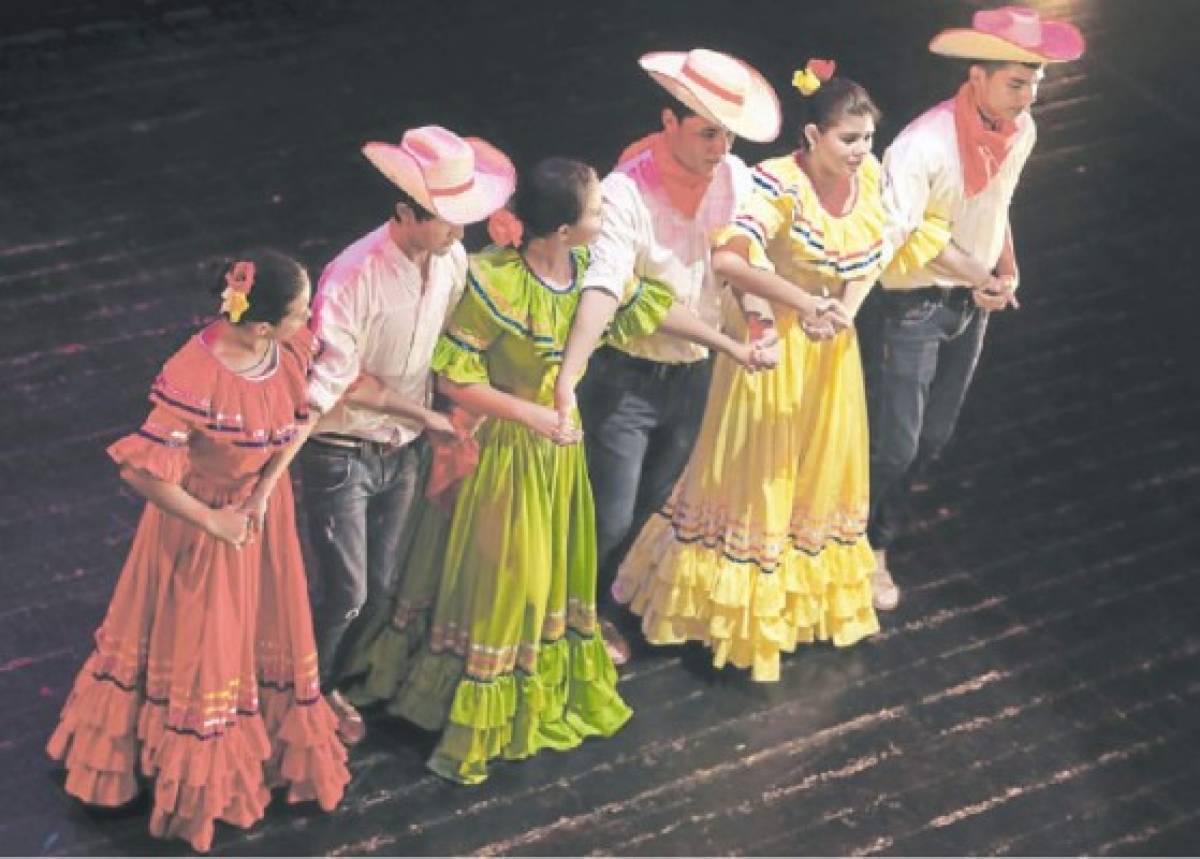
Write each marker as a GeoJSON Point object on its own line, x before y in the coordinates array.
{"type": "Point", "coordinates": [998, 292]}
{"type": "Point", "coordinates": [827, 318]}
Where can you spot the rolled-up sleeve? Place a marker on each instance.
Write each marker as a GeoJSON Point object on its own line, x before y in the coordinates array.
{"type": "Point", "coordinates": [337, 365]}
{"type": "Point", "coordinates": [614, 253]}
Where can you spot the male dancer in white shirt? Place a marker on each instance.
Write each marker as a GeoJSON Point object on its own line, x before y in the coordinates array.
{"type": "Point", "coordinates": [642, 404]}
{"type": "Point", "coordinates": [379, 309]}
{"type": "Point", "coordinates": [950, 174]}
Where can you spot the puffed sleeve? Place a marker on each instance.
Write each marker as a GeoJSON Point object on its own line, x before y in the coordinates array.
{"type": "Point", "coordinates": [181, 403]}
{"type": "Point", "coordinates": [482, 316]}
{"type": "Point", "coordinates": [766, 210]}
{"type": "Point", "coordinates": [643, 308]}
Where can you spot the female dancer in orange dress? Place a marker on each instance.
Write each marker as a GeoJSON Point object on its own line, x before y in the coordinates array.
{"type": "Point", "coordinates": [204, 674]}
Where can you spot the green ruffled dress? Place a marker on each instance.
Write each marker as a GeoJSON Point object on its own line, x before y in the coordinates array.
{"type": "Point", "coordinates": [510, 661]}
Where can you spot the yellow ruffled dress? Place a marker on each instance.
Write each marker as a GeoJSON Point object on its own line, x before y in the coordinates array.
{"type": "Point", "coordinates": [761, 545]}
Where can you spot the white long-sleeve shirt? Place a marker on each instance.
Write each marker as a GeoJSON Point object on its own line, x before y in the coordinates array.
{"type": "Point", "coordinates": [922, 173]}
{"type": "Point", "coordinates": [375, 313]}
{"type": "Point", "coordinates": [644, 235]}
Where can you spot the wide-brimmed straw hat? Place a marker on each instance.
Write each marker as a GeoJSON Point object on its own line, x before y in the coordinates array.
{"type": "Point", "coordinates": [721, 88]}
{"type": "Point", "coordinates": [1011, 34]}
{"type": "Point", "coordinates": [460, 179]}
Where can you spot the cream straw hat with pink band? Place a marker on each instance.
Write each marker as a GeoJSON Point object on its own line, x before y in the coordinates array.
{"type": "Point", "coordinates": [460, 179]}
{"type": "Point", "coordinates": [721, 88]}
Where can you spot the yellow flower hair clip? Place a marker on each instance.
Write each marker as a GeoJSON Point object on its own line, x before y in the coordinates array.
{"type": "Point", "coordinates": [809, 79]}
{"type": "Point", "coordinates": [235, 298]}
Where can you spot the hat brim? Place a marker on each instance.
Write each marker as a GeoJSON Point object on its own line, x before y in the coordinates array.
{"type": "Point", "coordinates": [1060, 43]}
{"type": "Point", "coordinates": [494, 181]}
{"type": "Point", "coordinates": [757, 119]}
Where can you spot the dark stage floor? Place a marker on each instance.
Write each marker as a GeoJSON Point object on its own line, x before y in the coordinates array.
{"type": "Point", "coordinates": [1032, 692]}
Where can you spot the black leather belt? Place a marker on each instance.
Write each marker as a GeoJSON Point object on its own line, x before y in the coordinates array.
{"type": "Point", "coordinates": [341, 441]}
{"type": "Point", "coordinates": [645, 366]}
{"type": "Point", "coordinates": [950, 295]}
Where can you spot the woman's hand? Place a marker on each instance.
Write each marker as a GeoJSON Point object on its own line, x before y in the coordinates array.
{"type": "Point", "coordinates": [255, 507]}
{"type": "Point", "coordinates": [765, 349]}
{"type": "Point", "coordinates": [230, 523]}
{"type": "Point", "coordinates": [549, 425]}
{"type": "Point", "coordinates": [757, 355]}
{"type": "Point", "coordinates": [564, 398]}
{"type": "Point", "coordinates": [826, 319]}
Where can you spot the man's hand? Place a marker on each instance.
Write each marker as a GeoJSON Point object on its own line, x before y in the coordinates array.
{"type": "Point", "coordinates": [995, 294]}
{"type": "Point", "coordinates": [440, 425]}
{"type": "Point", "coordinates": [1009, 282]}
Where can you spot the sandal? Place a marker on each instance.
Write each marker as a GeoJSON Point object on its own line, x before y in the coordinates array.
{"type": "Point", "coordinates": [614, 642]}
{"type": "Point", "coordinates": [885, 596]}
{"type": "Point", "coordinates": [351, 729]}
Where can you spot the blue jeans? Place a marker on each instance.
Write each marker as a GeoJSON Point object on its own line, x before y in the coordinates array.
{"type": "Point", "coordinates": [640, 422]}
{"type": "Point", "coordinates": [358, 501]}
{"type": "Point", "coordinates": [920, 349]}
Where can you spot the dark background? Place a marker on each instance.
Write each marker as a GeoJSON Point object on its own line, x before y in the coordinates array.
{"type": "Point", "coordinates": [1036, 690]}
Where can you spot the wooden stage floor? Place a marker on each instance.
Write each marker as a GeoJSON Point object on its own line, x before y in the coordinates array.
{"type": "Point", "coordinates": [1030, 695]}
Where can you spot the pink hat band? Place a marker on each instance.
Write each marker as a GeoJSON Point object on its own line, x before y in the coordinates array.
{"type": "Point", "coordinates": [450, 192]}
{"type": "Point", "coordinates": [713, 87]}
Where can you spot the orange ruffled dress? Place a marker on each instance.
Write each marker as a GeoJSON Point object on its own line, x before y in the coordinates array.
{"type": "Point", "coordinates": [204, 676]}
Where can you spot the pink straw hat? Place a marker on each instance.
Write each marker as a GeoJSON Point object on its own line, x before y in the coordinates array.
{"type": "Point", "coordinates": [1011, 34]}
{"type": "Point", "coordinates": [460, 179]}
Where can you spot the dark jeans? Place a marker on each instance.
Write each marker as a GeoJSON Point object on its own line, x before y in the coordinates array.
{"type": "Point", "coordinates": [640, 421]}
{"type": "Point", "coordinates": [920, 348]}
{"type": "Point", "coordinates": [358, 502]}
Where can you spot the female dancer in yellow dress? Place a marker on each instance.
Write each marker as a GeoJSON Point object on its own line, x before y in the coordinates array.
{"type": "Point", "coordinates": [761, 544]}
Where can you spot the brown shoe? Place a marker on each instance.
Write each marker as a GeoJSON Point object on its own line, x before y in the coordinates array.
{"type": "Point", "coordinates": [885, 596]}
{"type": "Point", "coordinates": [614, 642]}
{"type": "Point", "coordinates": [351, 729]}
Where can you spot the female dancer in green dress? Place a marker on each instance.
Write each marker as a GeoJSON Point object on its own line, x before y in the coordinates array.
{"type": "Point", "coordinates": [510, 661]}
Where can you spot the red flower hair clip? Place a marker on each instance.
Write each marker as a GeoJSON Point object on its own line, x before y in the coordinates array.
{"type": "Point", "coordinates": [505, 229]}
{"type": "Point", "coordinates": [235, 298]}
{"type": "Point", "coordinates": [809, 79]}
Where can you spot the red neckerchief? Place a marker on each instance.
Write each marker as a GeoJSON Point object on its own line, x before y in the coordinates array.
{"type": "Point", "coordinates": [684, 189]}
{"type": "Point", "coordinates": [981, 148]}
